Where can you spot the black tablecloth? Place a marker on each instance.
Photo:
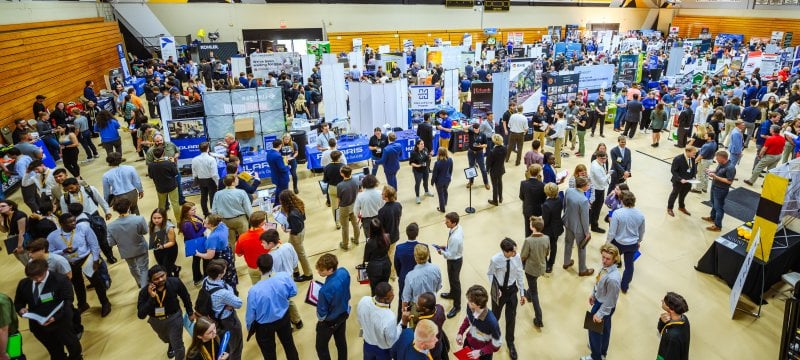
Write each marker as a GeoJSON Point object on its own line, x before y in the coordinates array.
{"type": "Point", "coordinates": [722, 261]}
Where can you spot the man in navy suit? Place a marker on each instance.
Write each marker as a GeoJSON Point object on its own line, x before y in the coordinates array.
{"type": "Point", "coordinates": [390, 159]}
{"type": "Point", "coordinates": [620, 162]}
{"type": "Point", "coordinates": [404, 260]}
{"type": "Point", "coordinates": [40, 293]}
{"type": "Point", "coordinates": [278, 168]}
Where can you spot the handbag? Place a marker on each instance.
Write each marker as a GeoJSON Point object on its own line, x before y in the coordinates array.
{"type": "Point", "coordinates": [363, 277]}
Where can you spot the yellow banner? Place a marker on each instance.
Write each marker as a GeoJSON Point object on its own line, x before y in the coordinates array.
{"type": "Point", "coordinates": [772, 196]}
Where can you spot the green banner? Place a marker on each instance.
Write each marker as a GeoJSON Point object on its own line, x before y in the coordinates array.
{"type": "Point", "coordinates": [318, 48]}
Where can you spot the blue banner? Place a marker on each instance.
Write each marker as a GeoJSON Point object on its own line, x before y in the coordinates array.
{"type": "Point", "coordinates": [47, 159]}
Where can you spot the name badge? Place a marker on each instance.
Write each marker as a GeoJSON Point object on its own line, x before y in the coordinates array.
{"type": "Point", "coordinates": [160, 311]}
{"type": "Point", "coordinates": [689, 171]}
{"type": "Point", "coordinates": [46, 297]}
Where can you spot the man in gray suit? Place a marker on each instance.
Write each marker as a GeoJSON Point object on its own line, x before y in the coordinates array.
{"type": "Point", "coordinates": [576, 224]}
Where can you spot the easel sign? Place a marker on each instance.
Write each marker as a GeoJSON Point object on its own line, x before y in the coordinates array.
{"type": "Point", "coordinates": [736, 290]}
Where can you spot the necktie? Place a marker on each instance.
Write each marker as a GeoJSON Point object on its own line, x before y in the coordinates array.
{"type": "Point", "coordinates": [36, 291]}
{"type": "Point", "coordinates": [689, 162]}
{"type": "Point", "coordinates": [508, 271]}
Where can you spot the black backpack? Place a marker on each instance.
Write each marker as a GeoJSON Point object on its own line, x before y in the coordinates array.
{"type": "Point", "coordinates": [203, 305]}
{"type": "Point", "coordinates": [316, 96]}
{"type": "Point", "coordinates": [96, 222]}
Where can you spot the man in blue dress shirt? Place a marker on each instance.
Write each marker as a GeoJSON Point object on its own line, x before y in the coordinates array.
{"type": "Point", "coordinates": [333, 307]}
{"type": "Point", "coordinates": [390, 159]}
{"type": "Point", "coordinates": [268, 310]}
{"type": "Point", "coordinates": [278, 168]}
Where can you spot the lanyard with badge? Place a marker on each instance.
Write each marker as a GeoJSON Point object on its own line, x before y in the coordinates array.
{"type": "Point", "coordinates": [160, 312]}
{"type": "Point", "coordinates": [69, 250]}
{"type": "Point", "coordinates": [206, 354]}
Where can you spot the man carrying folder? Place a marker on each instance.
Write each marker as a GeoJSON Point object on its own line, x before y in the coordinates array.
{"type": "Point", "coordinates": [604, 301]}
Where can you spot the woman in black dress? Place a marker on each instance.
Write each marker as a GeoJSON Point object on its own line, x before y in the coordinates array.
{"type": "Point", "coordinates": [495, 164]}
{"type": "Point", "coordinates": [376, 255]}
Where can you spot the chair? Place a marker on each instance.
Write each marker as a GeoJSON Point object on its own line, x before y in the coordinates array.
{"type": "Point", "coordinates": [792, 279]}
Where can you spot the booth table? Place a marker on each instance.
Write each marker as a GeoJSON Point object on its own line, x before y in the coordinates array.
{"type": "Point", "coordinates": [137, 83]}
{"type": "Point", "coordinates": [725, 257]}
{"type": "Point", "coordinates": [358, 149]}
{"type": "Point", "coordinates": [254, 162]}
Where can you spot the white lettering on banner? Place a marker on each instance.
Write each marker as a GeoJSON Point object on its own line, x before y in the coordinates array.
{"type": "Point", "coordinates": [422, 98]}
{"type": "Point", "coordinates": [188, 147]}
{"type": "Point", "coordinates": [209, 47]}
{"type": "Point", "coordinates": [256, 166]}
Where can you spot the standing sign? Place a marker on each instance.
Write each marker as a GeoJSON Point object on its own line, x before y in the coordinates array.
{"type": "Point", "coordinates": [318, 48]}
{"type": "Point", "coordinates": [481, 98]}
{"type": "Point", "coordinates": [628, 68]}
{"type": "Point", "coordinates": [422, 98]}
{"type": "Point", "coordinates": [736, 290]}
{"type": "Point", "coordinates": [168, 49]}
{"type": "Point", "coordinates": [123, 61]}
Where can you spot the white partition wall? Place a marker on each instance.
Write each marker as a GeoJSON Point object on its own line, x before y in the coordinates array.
{"type": "Point", "coordinates": [378, 105]}
{"type": "Point", "coordinates": [450, 90]}
{"type": "Point", "coordinates": [333, 91]}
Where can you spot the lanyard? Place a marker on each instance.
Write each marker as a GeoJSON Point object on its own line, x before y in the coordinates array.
{"type": "Point", "coordinates": [670, 324]}
{"type": "Point", "coordinates": [163, 295]}
{"type": "Point", "coordinates": [426, 352]}
{"type": "Point", "coordinates": [206, 355]}
{"type": "Point", "coordinates": [71, 237]}
{"type": "Point", "coordinates": [380, 305]}
{"type": "Point", "coordinates": [44, 178]}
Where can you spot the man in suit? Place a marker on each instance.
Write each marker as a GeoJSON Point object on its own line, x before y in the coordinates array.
{"type": "Point", "coordinates": [279, 171]}
{"type": "Point", "coordinates": [40, 293]}
{"type": "Point", "coordinates": [620, 163]}
{"type": "Point", "coordinates": [685, 121]}
{"type": "Point", "coordinates": [390, 159]}
{"type": "Point", "coordinates": [633, 114]}
{"type": "Point", "coordinates": [576, 223]}
{"type": "Point", "coordinates": [683, 170]}
{"type": "Point", "coordinates": [531, 192]}
{"type": "Point", "coordinates": [404, 260]}
{"type": "Point", "coordinates": [425, 132]}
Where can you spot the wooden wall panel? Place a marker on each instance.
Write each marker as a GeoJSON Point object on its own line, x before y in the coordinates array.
{"type": "Point", "coordinates": [690, 26]}
{"type": "Point", "coordinates": [343, 41]}
{"type": "Point", "coordinates": [53, 58]}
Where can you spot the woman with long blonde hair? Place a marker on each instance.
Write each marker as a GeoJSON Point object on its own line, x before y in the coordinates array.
{"type": "Point", "coordinates": [300, 108]}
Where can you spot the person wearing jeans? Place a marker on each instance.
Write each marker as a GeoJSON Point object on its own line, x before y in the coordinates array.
{"type": "Point", "coordinates": [84, 135]}
{"type": "Point", "coordinates": [622, 100]}
{"type": "Point", "coordinates": [626, 233]}
{"type": "Point", "coordinates": [604, 301]}
{"type": "Point", "coordinates": [721, 180]}
{"type": "Point", "coordinates": [770, 153]}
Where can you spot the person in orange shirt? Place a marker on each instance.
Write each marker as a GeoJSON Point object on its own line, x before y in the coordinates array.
{"type": "Point", "coordinates": [136, 100]}
{"type": "Point", "coordinates": [249, 244]}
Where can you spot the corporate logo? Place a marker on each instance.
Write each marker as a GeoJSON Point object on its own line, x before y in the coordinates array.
{"type": "Point", "coordinates": [166, 41]}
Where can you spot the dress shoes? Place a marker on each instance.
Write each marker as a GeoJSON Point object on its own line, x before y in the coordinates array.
{"type": "Point", "coordinates": [549, 269]}
{"type": "Point", "coordinates": [170, 351]}
{"type": "Point", "coordinates": [486, 186]}
{"type": "Point", "coordinates": [567, 266]}
{"type": "Point", "coordinates": [670, 212]}
{"type": "Point", "coordinates": [82, 308]}
{"type": "Point", "coordinates": [111, 260]}
{"type": "Point", "coordinates": [683, 210]}
{"type": "Point", "coordinates": [512, 351]}
{"type": "Point", "coordinates": [696, 191]}
{"type": "Point", "coordinates": [586, 272]}
{"type": "Point", "coordinates": [598, 230]}
{"type": "Point", "coordinates": [453, 312]}
{"type": "Point", "coordinates": [492, 202]}
{"type": "Point", "coordinates": [303, 278]}
{"type": "Point", "coordinates": [298, 325]}
{"type": "Point", "coordinates": [538, 323]}
{"type": "Point", "coordinates": [708, 218]}
{"type": "Point", "coordinates": [446, 296]}
{"type": "Point", "coordinates": [714, 228]}
{"type": "Point", "coordinates": [105, 310]}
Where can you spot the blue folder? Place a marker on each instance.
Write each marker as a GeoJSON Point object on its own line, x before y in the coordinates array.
{"type": "Point", "coordinates": [191, 246]}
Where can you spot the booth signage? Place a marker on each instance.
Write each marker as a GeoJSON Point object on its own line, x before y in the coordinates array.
{"type": "Point", "coordinates": [168, 49]}
{"type": "Point", "coordinates": [422, 98]}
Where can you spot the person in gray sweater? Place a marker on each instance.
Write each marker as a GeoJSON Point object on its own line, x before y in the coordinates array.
{"type": "Point", "coordinates": [128, 231]}
{"type": "Point", "coordinates": [576, 224]}
{"type": "Point", "coordinates": [604, 301]}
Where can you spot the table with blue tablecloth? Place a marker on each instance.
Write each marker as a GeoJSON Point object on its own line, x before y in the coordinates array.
{"type": "Point", "coordinates": [358, 149]}
{"type": "Point", "coordinates": [137, 83]}
{"type": "Point", "coordinates": [254, 162]}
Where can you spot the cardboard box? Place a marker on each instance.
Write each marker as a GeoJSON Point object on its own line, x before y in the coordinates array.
{"type": "Point", "coordinates": [244, 128]}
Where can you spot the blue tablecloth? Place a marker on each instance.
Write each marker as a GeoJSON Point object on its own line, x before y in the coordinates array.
{"type": "Point", "coordinates": [358, 149]}
{"type": "Point", "coordinates": [253, 162]}
{"type": "Point", "coordinates": [137, 83]}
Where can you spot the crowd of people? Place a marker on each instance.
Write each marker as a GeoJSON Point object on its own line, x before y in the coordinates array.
{"type": "Point", "coordinates": [67, 235]}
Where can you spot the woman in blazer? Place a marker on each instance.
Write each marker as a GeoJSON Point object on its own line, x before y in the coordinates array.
{"type": "Point", "coordinates": [553, 225]}
{"type": "Point", "coordinates": [441, 176]}
{"type": "Point", "coordinates": [495, 164]}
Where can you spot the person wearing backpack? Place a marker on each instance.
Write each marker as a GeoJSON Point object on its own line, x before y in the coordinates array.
{"type": "Point", "coordinates": [316, 99]}
{"type": "Point", "coordinates": [217, 300]}
{"type": "Point", "coordinates": [91, 200]}
{"type": "Point", "coordinates": [128, 233]}
{"type": "Point", "coordinates": [160, 301]}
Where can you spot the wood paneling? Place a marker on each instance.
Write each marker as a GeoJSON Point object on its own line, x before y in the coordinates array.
{"type": "Point", "coordinates": [690, 26]}
{"type": "Point", "coordinates": [53, 58]}
{"type": "Point", "coordinates": [343, 41]}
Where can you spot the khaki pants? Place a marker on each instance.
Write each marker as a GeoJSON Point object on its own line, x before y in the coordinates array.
{"type": "Point", "coordinates": [294, 315]}
{"type": "Point", "coordinates": [729, 125]}
{"type": "Point", "coordinates": [557, 151]}
{"type": "Point", "coordinates": [767, 162]}
{"type": "Point", "coordinates": [701, 174]}
{"type": "Point", "coordinates": [445, 143]}
{"type": "Point", "coordinates": [297, 243]}
{"type": "Point", "coordinates": [133, 196]}
{"type": "Point", "coordinates": [393, 274]}
{"type": "Point", "coordinates": [334, 202]}
{"type": "Point", "coordinates": [255, 275]}
{"type": "Point", "coordinates": [539, 135]}
{"type": "Point", "coordinates": [347, 217]}
{"type": "Point", "coordinates": [572, 134]}
{"type": "Point", "coordinates": [173, 202]}
{"type": "Point", "coordinates": [236, 226]}
{"type": "Point", "coordinates": [515, 142]}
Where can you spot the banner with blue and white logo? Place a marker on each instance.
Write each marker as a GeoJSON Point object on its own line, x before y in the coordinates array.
{"type": "Point", "coordinates": [168, 48]}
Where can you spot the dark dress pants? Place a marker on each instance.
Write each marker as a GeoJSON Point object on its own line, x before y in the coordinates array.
{"type": "Point", "coordinates": [508, 299]}
{"type": "Point", "coordinates": [336, 328]}
{"type": "Point", "coordinates": [207, 190]}
{"type": "Point", "coordinates": [454, 278]}
{"type": "Point", "coordinates": [679, 191]}
{"type": "Point", "coordinates": [265, 337]}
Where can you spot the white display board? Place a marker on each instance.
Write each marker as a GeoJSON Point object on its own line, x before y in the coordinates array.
{"type": "Point", "coordinates": [450, 88]}
{"type": "Point", "coordinates": [238, 66]}
{"type": "Point", "coordinates": [263, 63]}
{"type": "Point", "coordinates": [736, 290]}
{"type": "Point", "coordinates": [378, 105]}
{"type": "Point", "coordinates": [168, 48]}
{"type": "Point", "coordinates": [333, 91]}
{"type": "Point", "coordinates": [595, 77]}
{"type": "Point", "coordinates": [422, 97]}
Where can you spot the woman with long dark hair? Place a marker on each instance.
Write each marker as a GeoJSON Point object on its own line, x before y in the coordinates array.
{"type": "Point", "coordinates": [658, 119]}
{"type": "Point", "coordinates": [14, 223]}
{"type": "Point", "coordinates": [420, 161]}
{"type": "Point", "coordinates": [59, 116]}
{"type": "Point", "coordinates": [162, 242]}
{"type": "Point", "coordinates": [69, 150]}
{"type": "Point", "coordinates": [192, 227]}
{"type": "Point", "coordinates": [205, 342]}
{"type": "Point", "coordinates": [293, 208]}
{"type": "Point", "coordinates": [441, 176]}
{"type": "Point", "coordinates": [108, 127]}
{"type": "Point", "coordinates": [496, 167]}
{"type": "Point", "coordinates": [376, 255]}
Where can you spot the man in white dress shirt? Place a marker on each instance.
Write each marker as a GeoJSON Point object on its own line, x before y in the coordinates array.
{"type": "Point", "coordinates": [506, 276]}
{"type": "Point", "coordinates": [453, 252]}
{"type": "Point", "coordinates": [598, 176]}
{"type": "Point", "coordinates": [378, 323]}
{"type": "Point", "coordinates": [204, 169]}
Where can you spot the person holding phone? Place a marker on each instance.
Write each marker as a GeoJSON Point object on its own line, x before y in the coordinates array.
{"type": "Point", "coordinates": [160, 301]}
